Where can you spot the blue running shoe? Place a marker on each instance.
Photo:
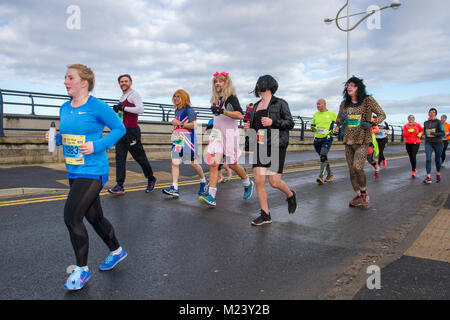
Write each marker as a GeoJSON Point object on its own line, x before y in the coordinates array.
{"type": "Point", "coordinates": [112, 260]}
{"type": "Point", "coordinates": [248, 191]}
{"type": "Point", "coordinates": [77, 279]}
{"type": "Point", "coordinates": [171, 192]}
{"type": "Point", "coordinates": [118, 189]}
{"type": "Point", "coordinates": [203, 188]}
{"type": "Point", "coordinates": [150, 186]}
{"type": "Point", "coordinates": [207, 199]}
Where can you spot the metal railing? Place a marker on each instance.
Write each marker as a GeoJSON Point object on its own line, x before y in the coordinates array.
{"type": "Point", "coordinates": [46, 104]}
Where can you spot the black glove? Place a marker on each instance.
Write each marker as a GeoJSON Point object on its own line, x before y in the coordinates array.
{"type": "Point", "coordinates": [118, 107]}
{"type": "Point", "coordinates": [216, 110]}
{"type": "Point", "coordinates": [367, 125]}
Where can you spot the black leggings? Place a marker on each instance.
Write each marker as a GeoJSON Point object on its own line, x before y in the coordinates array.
{"type": "Point", "coordinates": [381, 145]}
{"type": "Point", "coordinates": [84, 201]}
{"type": "Point", "coordinates": [412, 149]}
{"type": "Point", "coordinates": [443, 150]}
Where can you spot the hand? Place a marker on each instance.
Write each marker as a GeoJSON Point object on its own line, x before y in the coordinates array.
{"type": "Point", "coordinates": [176, 123]}
{"type": "Point", "coordinates": [47, 134]}
{"type": "Point", "coordinates": [313, 127]}
{"type": "Point", "coordinates": [367, 125]}
{"type": "Point", "coordinates": [118, 107]}
{"type": "Point", "coordinates": [335, 131]}
{"type": "Point", "coordinates": [246, 125]}
{"type": "Point", "coordinates": [87, 148]}
{"type": "Point", "coordinates": [266, 121]}
{"type": "Point", "coordinates": [419, 135]}
{"type": "Point", "coordinates": [215, 110]}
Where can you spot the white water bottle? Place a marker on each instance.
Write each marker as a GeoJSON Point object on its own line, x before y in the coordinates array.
{"type": "Point", "coordinates": [52, 138]}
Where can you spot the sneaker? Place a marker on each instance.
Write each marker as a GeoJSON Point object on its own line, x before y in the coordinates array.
{"type": "Point", "coordinates": [77, 279]}
{"type": "Point", "coordinates": [438, 178]}
{"type": "Point", "coordinates": [118, 189]}
{"type": "Point", "coordinates": [413, 174]}
{"type": "Point", "coordinates": [171, 192]}
{"type": "Point", "coordinates": [248, 191]}
{"type": "Point", "coordinates": [365, 200]}
{"type": "Point", "coordinates": [228, 178]}
{"type": "Point", "coordinates": [329, 178]}
{"type": "Point", "coordinates": [150, 186]}
{"type": "Point", "coordinates": [203, 188]}
{"type": "Point", "coordinates": [427, 180]}
{"type": "Point", "coordinates": [356, 201]}
{"type": "Point", "coordinates": [112, 260]}
{"type": "Point", "coordinates": [376, 174]}
{"type": "Point", "coordinates": [207, 199]}
{"type": "Point", "coordinates": [262, 219]}
{"type": "Point", "coordinates": [292, 203]}
{"type": "Point", "coordinates": [384, 163]}
{"type": "Point", "coordinates": [443, 164]}
{"type": "Point", "coordinates": [320, 180]}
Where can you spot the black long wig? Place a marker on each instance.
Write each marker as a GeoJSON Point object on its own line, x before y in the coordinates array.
{"type": "Point", "coordinates": [361, 94]}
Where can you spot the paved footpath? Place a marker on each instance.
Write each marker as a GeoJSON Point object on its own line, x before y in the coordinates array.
{"type": "Point", "coordinates": [180, 249]}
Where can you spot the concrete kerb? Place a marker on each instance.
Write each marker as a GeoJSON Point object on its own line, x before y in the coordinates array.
{"type": "Point", "coordinates": [19, 192]}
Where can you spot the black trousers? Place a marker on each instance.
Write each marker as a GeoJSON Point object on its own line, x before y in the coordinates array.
{"type": "Point", "coordinates": [381, 145]}
{"type": "Point", "coordinates": [412, 149]}
{"type": "Point", "coordinates": [84, 201]}
{"type": "Point", "coordinates": [443, 150]}
{"type": "Point", "coordinates": [131, 142]}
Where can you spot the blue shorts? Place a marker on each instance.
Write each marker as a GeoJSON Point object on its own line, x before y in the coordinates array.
{"type": "Point", "coordinates": [322, 143]}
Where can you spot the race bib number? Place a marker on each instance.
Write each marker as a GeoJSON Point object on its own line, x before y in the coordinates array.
{"type": "Point", "coordinates": [216, 136]}
{"type": "Point", "coordinates": [431, 132]}
{"type": "Point", "coordinates": [71, 149]}
{"type": "Point", "coordinates": [354, 120]}
{"type": "Point", "coordinates": [260, 136]}
{"type": "Point", "coordinates": [322, 130]}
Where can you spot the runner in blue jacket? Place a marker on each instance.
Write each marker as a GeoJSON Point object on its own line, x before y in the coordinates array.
{"type": "Point", "coordinates": [82, 120]}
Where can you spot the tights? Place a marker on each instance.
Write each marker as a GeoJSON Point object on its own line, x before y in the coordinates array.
{"type": "Point", "coordinates": [84, 201]}
{"type": "Point", "coordinates": [412, 149]}
{"type": "Point", "coordinates": [356, 158]}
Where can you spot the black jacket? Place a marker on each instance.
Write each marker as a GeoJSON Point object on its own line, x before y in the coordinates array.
{"type": "Point", "coordinates": [278, 111]}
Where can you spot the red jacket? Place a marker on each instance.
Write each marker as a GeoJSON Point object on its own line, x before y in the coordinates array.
{"type": "Point", "coordinates": [412, 137]}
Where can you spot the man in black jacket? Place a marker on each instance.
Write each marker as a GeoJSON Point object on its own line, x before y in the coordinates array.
{"type": "Point", "coordinates": [271, 120]}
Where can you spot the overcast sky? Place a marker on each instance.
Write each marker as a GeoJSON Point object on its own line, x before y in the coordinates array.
{"type": "Point", "coordinates": [170, 44]}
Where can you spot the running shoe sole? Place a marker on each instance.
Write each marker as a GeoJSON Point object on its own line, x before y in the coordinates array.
{"type": "Point", "coordinates": [204, 201]}
{"type": "Point", "coordinates": [261, 223]}
{"type": "Point", "coordinates": [175, 195]}
{"type": "Point", "coordinates": [116, 192]}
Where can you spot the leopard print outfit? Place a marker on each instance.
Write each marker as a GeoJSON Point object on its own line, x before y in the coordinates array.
{"type": "Point", "coordinates": [357, 139]}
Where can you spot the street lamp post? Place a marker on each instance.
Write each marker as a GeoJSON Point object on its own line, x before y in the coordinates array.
{"type": "Point", "coordinates": [394, 5]}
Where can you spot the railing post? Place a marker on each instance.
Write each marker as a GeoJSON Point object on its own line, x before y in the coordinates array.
{"type": "Point", "coordinates": [302, 132]}
{"type": "Point", "coordinates": [2, 133]}
{"type": "Point", "coordinates": [393, 134]}
{"type": "Point", "coordinates": [32, 105]}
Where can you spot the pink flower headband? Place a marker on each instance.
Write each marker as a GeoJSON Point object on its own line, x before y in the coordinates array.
{"type": "Point", "coordinates": [221, 74]}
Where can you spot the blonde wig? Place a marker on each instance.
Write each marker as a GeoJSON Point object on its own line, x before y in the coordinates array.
{"type": "Point", "coordinates": [228, 89]}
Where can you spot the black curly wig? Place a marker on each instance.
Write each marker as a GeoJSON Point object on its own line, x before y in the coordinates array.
{"type": "Point", "coordinates": [361, 94]}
